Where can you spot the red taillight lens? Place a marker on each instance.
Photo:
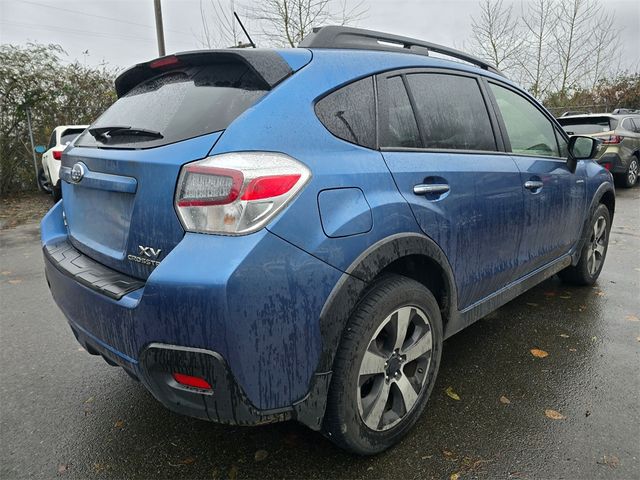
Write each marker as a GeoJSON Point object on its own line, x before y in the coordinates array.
{"type": "Point", "coordinates": [267, 187]}
{"type": "Point", "coordinates": [237, 193]}
{"type": "Point", "coordinates": [612, 139]}
{"type": "Point", "coordinates": [57, 155]}
{"type": "Point", "coordinates": [607, 165]}
{"type": "Point", "coordinates": [190, 381]}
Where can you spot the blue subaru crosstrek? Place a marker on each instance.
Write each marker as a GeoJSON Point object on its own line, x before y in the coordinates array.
{"type": "Point", "coordinates": [266, 235]}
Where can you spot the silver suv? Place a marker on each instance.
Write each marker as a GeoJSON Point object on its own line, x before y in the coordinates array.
{"type": "Point", "coordinates": [619, 151]}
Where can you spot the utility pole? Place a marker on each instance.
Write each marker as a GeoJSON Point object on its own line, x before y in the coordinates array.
{"type": "Point", "coordinates": [33, 146]}
{"type": "Point", "coordinates": [159, 28]}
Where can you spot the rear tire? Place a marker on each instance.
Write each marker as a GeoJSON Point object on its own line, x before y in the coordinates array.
{"type": "Point", "coordinates": [630, 177]}
{"type": "Point", "coordinates": [594, 251]}
{"type": "Point", "coordinates": [57, 193]}
{"type": "Point", "coordinates": [385, 367]}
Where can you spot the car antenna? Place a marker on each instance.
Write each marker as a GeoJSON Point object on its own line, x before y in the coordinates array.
{"type": "Point", "coordinates": [253, 45]}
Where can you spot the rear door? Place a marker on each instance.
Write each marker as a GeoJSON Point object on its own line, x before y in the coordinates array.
{"type": "Point", "coordinates": [554, 196]}
{"type": "Point", "coordinates": [445, 158]}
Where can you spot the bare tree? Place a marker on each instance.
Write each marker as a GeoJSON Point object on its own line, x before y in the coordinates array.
{"type": "Point", "coordinates": [582, 42]}
{"type": "Point", "coordinates": [536, 63]}
{"type": "Point", "coordinates": [219, 28]}
{"type": "Point", "coordinates": [287, 22]}
{"type": "Point", "coordinates": [496, 35]}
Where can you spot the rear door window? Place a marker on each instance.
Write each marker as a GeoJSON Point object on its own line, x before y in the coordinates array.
{"type": "Point", "coordinates": [451, 112]}
{"type": "Point", "coordinates": [180, 105]}
{"type": "Point", "coordinates": [401, 129]}
{"type": "Point", "coordinates": [530, 131]}
{"type": "Point", "coordinates": [349, 113]}
{"type": "Point", "coordinates": [586, 125]}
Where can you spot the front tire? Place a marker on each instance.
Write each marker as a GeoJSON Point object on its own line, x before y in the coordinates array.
{"type": "Point", "coordinates": [594, 251]}
{"type": "Point", "coordinates": [385, 367]}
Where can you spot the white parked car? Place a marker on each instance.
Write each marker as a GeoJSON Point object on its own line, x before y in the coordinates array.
{"type": "Point", "coordinates": [60, 138]}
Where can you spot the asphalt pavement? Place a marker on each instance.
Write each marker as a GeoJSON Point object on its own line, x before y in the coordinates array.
{"type": "Point", "coordinates": [497, 411]}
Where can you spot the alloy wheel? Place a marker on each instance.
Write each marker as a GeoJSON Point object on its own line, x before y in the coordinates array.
{"type": "Point", "coordinates": [598, 245]}
{"type": "Point", "coordinates": [632, 173]}
{"type": "Point", "coordinates": [394, 368]}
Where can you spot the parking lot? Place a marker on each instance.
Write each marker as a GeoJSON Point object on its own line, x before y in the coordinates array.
{"type": "Point", "coordinates": [497, 411]}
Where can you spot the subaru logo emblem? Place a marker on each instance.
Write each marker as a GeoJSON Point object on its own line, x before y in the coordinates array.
{"type": "Point", "coordinates": [77, 172]}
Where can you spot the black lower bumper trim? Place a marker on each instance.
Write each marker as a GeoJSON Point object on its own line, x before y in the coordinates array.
{"type": "Point", "coordinates": [90, 273]}
{"type": "Point", "coordinates": [226, 404]}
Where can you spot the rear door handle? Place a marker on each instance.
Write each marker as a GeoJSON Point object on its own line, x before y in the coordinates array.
{"type": "Point", "coordinates": [533, 184]}
{"type": "Point", "coordinates": [431, 188]}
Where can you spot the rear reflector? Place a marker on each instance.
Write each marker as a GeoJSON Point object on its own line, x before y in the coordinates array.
{"type": "Point", "coordinates": [57, 155]}
{"type": "Point", "coordinates": [190, 381]}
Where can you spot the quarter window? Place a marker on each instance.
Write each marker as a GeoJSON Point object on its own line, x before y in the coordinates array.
{"type": "Point", "coordinates": [530, 132]}
{"type": "Point", "coordinates": [349, 113]}
{"type": "Point", "coordinates": [451, 112]}
{"type": "Point", "coordinates": [402, 129]}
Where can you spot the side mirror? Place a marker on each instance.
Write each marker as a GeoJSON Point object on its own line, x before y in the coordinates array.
{"type": "Point", "coordinates": [40, 149]}
{"type": "Point", "coordinates": [580, 148]}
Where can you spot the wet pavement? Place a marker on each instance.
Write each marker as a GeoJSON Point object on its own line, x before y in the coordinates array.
{"type": "Point", "coordinates": [66, 413]}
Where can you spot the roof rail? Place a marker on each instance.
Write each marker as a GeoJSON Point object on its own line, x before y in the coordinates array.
{"type": "Point", "coordinates": [360, 39]}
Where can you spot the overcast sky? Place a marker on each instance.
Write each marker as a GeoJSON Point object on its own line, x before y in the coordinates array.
{"type": "Point", "coordinates": [122, 32]}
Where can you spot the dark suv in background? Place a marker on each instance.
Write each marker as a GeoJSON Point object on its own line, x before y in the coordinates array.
{"type": "Point", "coordinates": [619, 150]}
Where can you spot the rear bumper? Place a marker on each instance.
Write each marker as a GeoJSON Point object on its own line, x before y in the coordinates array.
{"type": "Point", "coordinates": [243, 310]}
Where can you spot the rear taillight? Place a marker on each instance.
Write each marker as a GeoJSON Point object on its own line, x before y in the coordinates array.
{"type": "Point", "coordinates": [237, 193]}
{"type": "Point", "coordinates": [612, 139]}
{"type": "Point", "coordinates": [607, 165]}
{"type": "Point", "coordinates": [57, 155]}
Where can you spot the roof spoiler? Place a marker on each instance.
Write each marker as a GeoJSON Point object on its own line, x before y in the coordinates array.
{"type": "Point", "coordinates": [360, 39]}
{"type": "Point", "coordinates": [266, 64]}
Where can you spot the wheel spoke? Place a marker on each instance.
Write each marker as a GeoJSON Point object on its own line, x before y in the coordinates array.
{"type": "Point", "coordinates": [374, 416]}
{"type": "Point", "coordinates": [408, 393]}
{"type": "Point", "coordinates": [591, 263]}
{"type": "Point", "coordinates": [420, 347]}
{"type": "Point", "coordinates": [600, 249]}
{"type": "Point", "coordinates": [599, 228]}
{"type": "Point", "coordinates": [403, 316]}
{"type": "Point", "coordinates": [372, 363]}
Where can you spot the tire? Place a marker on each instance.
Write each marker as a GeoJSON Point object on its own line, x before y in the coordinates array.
{"type": "Point", "coordinates": [630, 177]}
{"type": "Point", "coordinates": [354, 394]}
{"type": "Point", "coordinates": [586, 272]}
{"type": "Point", "coordinates": [43, 181]}
{"type": "Point", "coordinates": [57, 193]}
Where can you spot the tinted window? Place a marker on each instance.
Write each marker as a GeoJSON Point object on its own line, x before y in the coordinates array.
{"type": "Point", "coordinates": [451, 112]}
{"type": "Point", "coordinates": [52, 140]}
{"type": "Point", "coordinates": [636, 123]}
{"type": "Point", "coordinates": [585, 125]}
{"type": "Point", "coordinates": [69, 135]}
{"type": "Point", "coordinates": [530, 132]}
{"type": "Point", "coordinates": [627, 124]}
{"type": "Point", "coordinates": [402, 129]}
{"type": "Point", "coordinates": [181, 105]}
{"type": "Point", "coordinates": [349, 113]}
{"type": "Point", "coordinates": [562, 144]}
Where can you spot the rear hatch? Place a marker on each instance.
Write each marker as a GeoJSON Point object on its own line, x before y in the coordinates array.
{"type": "Point", "coordinates": [120, 175]}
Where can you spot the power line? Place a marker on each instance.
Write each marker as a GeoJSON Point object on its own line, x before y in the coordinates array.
{"type": "Point", "coordinates": [99, 16]}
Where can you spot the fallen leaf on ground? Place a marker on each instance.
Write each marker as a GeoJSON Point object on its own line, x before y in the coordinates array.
{"type": "Point", "coordinates": [89, 400]}
{"type": "Point", "coordinates": [454, 476]}
{"type": "Point", "coordinates": [63, 468]}
{"type": "Point", "coordinates": [505, 400]}
{"type": "Point", "coordinates": [632, 318]}
{"type": "Point", "coordinates": [549, 294]}
{"type": "Point", "coordinates": [187, 461]}
{"type": "Point", "coordinates": [612, 461]}
{"type": "Point", "coordinates": [6, 272]}
{"type": "Point", "coordinates": [260, 455]}
{"type": "Point", "coordinates": [573, 350]}
{"type": "Point", "coordinates": [638, 338]}
{"type": "Point", "coordinates": [564, 297]}
{"type": "Point", "coordinates": [554, 415]}
{"type": "Point", "coordinates": [448, 454]}
{"type": "Point", "coordinates": [119, 424]}
{"type": "Point", "coordinates": [15, 281]}
{"type": "Point", "coordinates": [532, 304]}
{"type": "Point", "coordinates": [600, 294]}
{"type": "Point", "coordinates": [451, 393]}
{"type": "Point", "coordinates": [563, 335]}
{"type": "Point", "coordinates": [536, 352]}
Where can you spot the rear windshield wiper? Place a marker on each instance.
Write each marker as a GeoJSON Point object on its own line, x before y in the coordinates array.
{"type": "Point", "coordinates": [104, 133]}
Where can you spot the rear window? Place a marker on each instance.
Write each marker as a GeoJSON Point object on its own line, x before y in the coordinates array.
{"type": "Point", "coordinates": [588, 125]}
{"type": "Point", "coordinates": [179, 105]}
{"type": "Point", "coordinates": [350, 113]}
{"type": "Point", "coordinates": [69, 135]}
